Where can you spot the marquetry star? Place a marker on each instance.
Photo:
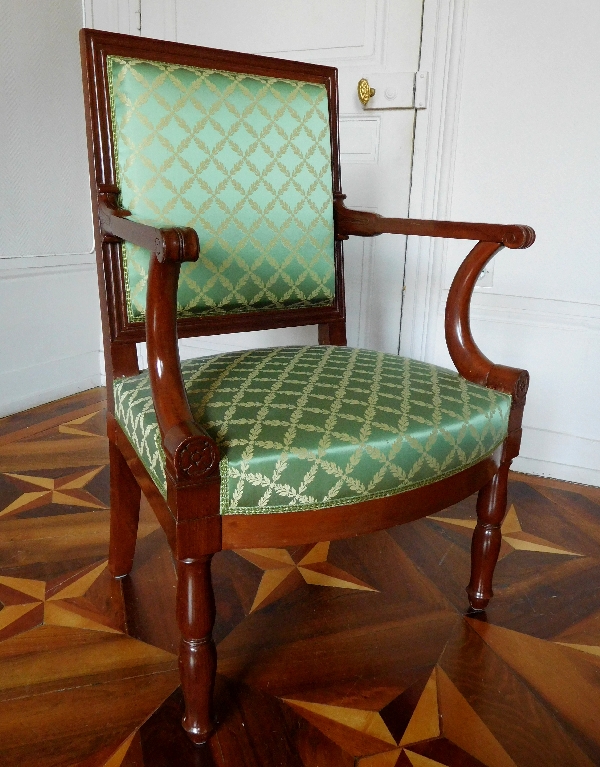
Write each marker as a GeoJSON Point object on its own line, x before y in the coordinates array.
{"type": "Point", "coordinates": [589, 649]}
{"type": "Point", "coordinates": [583, 635]}
{"type": "Point", "coordinates": [283, 575]}
{"type": "Point", "coordinates": [513, 537]}
{"type": "Point", "coordinates": [75, 426]}
{"type": "Point", "coordinates": [59, 602]}
{"type": "Point", "coordinates": [442, 724]}
{"type": "Point", "coordinates": [67, 491]}
{"type": "Point", "coordinates": [118, 757]}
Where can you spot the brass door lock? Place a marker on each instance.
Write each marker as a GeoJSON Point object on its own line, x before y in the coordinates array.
{"type": "Point", "coordinates": [365, 92]}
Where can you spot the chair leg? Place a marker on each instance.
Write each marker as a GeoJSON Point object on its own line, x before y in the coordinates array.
{"type": "Point", "coordinates": [197, 654]}
{"type": "Point", "coordinates": [125, 497]}
{"type": "Point", "coordinates": [487, 538]}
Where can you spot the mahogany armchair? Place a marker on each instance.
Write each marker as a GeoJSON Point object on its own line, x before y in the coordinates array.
{"type": "Point", "coordinates": [218, 208]}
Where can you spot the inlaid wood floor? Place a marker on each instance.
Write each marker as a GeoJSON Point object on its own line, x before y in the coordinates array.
{"type": "Point", "coordinates": [346, 653]}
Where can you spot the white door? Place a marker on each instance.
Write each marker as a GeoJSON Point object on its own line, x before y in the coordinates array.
{"type": "Point", "coordinates": [376, 39]}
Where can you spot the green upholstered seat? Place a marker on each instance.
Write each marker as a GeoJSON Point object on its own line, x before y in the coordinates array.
{"type": "Point", "coordinates": [321, 426]}
{"type": "Point", "coordinates": [243, 159]}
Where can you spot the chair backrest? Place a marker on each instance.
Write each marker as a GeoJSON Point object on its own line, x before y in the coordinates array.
{"type": "Point", "coordinates": [242, 148]}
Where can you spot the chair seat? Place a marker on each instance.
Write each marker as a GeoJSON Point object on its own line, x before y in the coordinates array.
{"type": "Point", "coordinates": [320, 426]}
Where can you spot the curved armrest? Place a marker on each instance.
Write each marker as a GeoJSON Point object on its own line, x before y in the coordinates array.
{"type": "Point", "coordinates": [365, 224]}
{"type": "Point", "coordinates": [470, 361]}
{"type": "Point", "coordinates": [191, 453]}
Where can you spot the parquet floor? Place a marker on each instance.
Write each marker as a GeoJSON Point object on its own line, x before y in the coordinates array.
{"type": "Point", "coordinates": [344, 653]}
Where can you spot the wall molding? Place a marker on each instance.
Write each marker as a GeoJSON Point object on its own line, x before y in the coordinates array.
{"type": "Point", "coordinates": [371, 52]}
{"type": "Point", "coordinates": [20, 266]}
{"type": "Point", "coordinates": [159, 20]}
{"type": "Point", "coordinates": [359, 138]}
{"type": "Point", "coordinates": [532, 312]}
{"type": "Point", "coordinates": [113, 15]}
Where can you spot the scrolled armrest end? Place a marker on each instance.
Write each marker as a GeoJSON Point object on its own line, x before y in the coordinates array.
{"type": "Point", "coordinates": [179, 244]}
{"type": "Point", "coordinates": [510, 381]}
{"type": "Point", "coordinates": [520, 237]}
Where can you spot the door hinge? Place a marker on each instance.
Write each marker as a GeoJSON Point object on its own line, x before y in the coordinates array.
{"type": "Point", "coordinates": [421, 90]}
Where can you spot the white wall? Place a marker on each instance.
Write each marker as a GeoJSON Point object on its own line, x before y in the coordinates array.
{"type": "Point", "coordinates": [49, 311]}
{"type": "Point", "coordinates": [527, 152]}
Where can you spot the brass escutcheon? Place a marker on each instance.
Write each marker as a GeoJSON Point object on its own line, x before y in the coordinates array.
{"type": "Point", "coordinates": [365, 91]}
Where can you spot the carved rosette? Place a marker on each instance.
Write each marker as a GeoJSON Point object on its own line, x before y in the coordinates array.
{"type": "Point", "coordinates": [520, 388]}
{"type": "Point", "coordinates": [196, 458]}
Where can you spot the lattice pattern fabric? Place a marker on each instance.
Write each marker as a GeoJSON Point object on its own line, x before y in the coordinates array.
{"type": "Point", "coordinates": [318, 426]}
{"type": "Point", "coordinates": [243, 159]}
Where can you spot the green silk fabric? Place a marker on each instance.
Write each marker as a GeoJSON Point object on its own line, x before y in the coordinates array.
{"type": "Point", "coordinates": [245, 160]}
{"type": "Point", "coordinates": [319, 426]}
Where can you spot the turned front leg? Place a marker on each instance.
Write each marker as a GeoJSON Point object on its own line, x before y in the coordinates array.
{"type": "Point", "coordinates": [487, 538]}
{"type": "Point", "coordinates": [197, 654]}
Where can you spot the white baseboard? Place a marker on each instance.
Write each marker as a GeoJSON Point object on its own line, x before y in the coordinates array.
{"type": "Point", "coordinates": [49, 307]}
{"type": "Point", "coordinates": [554, 340]}
{"type": "Point", "coordinates": [560, 456]}
{"type": "Point", "coordinates": [577, 474]}
{"type": "Point", "coordinates": [48, 381]}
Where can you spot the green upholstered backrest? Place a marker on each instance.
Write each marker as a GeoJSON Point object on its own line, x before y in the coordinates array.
{"type": "Point", "coordinates": [243, 159]}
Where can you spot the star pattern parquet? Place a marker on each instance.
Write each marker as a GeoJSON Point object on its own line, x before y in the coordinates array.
{"type": "Point", "coordinates": [350, 653]}
{"type": "Point", "coordinates": [283, 572]}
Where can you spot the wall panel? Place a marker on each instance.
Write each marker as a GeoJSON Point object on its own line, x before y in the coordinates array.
{"type": "Point", "coordinates": [49, 312]}
{"type": "Point", "coordinates": [50, 344]}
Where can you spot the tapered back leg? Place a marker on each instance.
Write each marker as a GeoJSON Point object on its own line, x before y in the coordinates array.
{"type": "Point", "coordinates": [125, 496]}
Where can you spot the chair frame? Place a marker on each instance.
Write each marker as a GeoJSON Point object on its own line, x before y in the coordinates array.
{"type": "Point", "coordinates": [190, 514]}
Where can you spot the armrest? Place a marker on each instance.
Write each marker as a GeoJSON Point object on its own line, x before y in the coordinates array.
{"type": "Point", "coordinates": [470, 361]}
{"type": "Point", "coordinates": [167, 243]}
{"type": "Point", "coordinates": [191, 453]}
{"type": "Point", "coordinates": [365, 224]}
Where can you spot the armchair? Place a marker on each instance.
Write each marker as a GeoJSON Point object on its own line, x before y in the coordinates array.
{"type": "Point", "coordinates": [218, 208]}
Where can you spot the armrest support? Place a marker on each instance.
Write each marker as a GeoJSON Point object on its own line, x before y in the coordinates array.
{"type": "Point", "coordinates": [168, 243]}
{"type": "Point", "coordinates": [470, 361]}
{"type": "Point", "coordinates": [191, 453]}
{"type": "Point", "coordinates": [365, 224]}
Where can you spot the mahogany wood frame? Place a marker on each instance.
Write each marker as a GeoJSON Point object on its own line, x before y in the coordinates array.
{"type": "Point", "coordinates": [190, 515]}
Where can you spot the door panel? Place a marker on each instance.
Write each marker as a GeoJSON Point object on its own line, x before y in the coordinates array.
{"type": "Point", "coordinates": [381, 186]}
{"type": "Point", "coordinates": [361, 38]}
{"type": "Point", "coordinates": [273, 27]}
